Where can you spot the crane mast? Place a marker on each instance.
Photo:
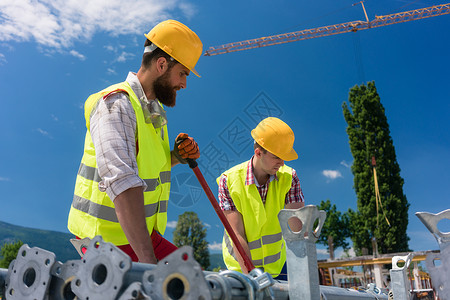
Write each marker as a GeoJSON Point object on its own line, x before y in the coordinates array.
{"type": "Point", "coordinates": [352, 26]}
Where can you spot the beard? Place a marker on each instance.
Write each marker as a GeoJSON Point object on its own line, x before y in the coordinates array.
{"type": "Point", "coordinates": [164, 92]}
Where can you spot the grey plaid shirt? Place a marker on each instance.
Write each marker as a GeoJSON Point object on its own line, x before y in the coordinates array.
{"type": "Point", "coordinates": [113, 132]}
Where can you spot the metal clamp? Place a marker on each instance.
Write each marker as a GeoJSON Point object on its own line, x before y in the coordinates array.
{"type": "Point", "coordinates": [307, 215]}
{"type": "Point", "coordinates": [301, 253]}
{"type": "Point", "coordinates": [263, 282]}
{"type": "Point", "coordinates": [101, 271]}
{"type": "Point", "coordinates": [29, 274]}
{"type": "Point", "coordinates": [431, 220]}
{"type": "Point", "coordinates": [219, 285]}
{"type": "Point", "coordinates": [439, 273]}
{"type": "Point", "coordinates": [62, 276]}
{"type": "Point", "coordinates": [399, 277]}
{"type": "Point", "coordinates": [246, 281]}
{"type": "Point", "coordinates": [134, 292]}
{"type": "Point", "coordinates": [177, 276]}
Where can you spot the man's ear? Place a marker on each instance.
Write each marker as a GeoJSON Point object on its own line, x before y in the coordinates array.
{"type": "Point", "coordinates": [161, 65]}
{"type": "Point", "coordinates": [258, 152]}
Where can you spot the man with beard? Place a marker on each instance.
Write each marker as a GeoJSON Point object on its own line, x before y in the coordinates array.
{"type": "Point", "coordinates": [123, 183]}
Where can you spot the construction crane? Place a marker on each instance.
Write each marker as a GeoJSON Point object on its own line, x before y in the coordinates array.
{"type": "Point", "coordinates": [417, 14]}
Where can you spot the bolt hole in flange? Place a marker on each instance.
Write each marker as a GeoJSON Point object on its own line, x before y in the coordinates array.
{"type": "Point", "coordinates": [175, 288]}
{"type": "Point", "coordinates": [29, 277]}
{"type": "Point", "coordinates": [68, 294]}
{"type": "Point", "coordinates": [295, 224]}
{"type": "Point", "coordinates": [99, 274]}
{"type": "Point", "coordinates": [151, 278]}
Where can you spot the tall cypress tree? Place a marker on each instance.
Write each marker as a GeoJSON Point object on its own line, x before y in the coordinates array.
{"type": "Point", "coordinates": [191, 232]}
{"type": "Point", "coordinates": [369, 136]}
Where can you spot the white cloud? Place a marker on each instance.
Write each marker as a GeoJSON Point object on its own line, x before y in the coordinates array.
{"type": "Point", "coordinates": [110, 48]}
{"type": "Point", "coordinates": [124, 56]}
{"type": "Point", "coordinates": [346, 164]}
{"type": "Point", "coordinates": [188, 9]}
{"type": "Point", "coordinates": [207, 225]}
{"type": "Point", "coordinates": [215, 246]}
{"type": "Point", "coordinates": [55, 118]}
{"type": "Point", "coordinates": [121, 56]}
{"type": "Point", "coordinates": [172, 224]}
{"type": "Point", "coordinates": [77, 54]}
{"type": "Point", "coordinates": [2, 59]}
{"type": "Point", "coordinates": [58, 24]}
{"type": "Point", "coordinates": [43, 132]}
{"type": "Point", "coordinates": [331, 174]}
{"type": "Point", "coordinates": [4, 179]}
{"type": "Point", "coordinates": [111, 71]}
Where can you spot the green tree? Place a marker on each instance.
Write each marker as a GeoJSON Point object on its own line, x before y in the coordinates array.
{"type": "Point", "coordinates": [369, 136]}
{"type": "Point", "coordinates": [335, 230]}
{"type": "Point", "coordinates": [191, 232]}
{"type": "Point", "coordinates": [9, 253]}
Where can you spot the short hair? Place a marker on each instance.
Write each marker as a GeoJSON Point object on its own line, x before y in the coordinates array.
{"type": "Point", "coordinates": [149, 57]}
{"type": "Point", "coordinates": [256, 145]}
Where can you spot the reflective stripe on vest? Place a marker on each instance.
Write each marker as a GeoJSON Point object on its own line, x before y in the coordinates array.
{"type": "Point", "coordinates": [91, 173]}
{"type": "Point", "coordinates": [266, 239]}
{"type": "Point", "coordinates": [109, 213]}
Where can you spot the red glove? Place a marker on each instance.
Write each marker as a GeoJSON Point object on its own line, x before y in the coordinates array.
{"type": "Point", "coordinates": [185, 147]}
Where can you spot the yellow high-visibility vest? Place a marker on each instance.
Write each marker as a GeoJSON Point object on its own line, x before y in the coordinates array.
{"type": "Point", "coordinates": [92, 212]}
{"type": "Point", "coordinates": [262, 228]}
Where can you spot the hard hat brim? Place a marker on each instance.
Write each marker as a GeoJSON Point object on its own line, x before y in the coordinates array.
{"type": "Point", "coordinates": [289, 156]}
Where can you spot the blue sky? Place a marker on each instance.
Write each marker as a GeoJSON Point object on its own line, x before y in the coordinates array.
{"type": "Point", "coordinates": [54, 54]}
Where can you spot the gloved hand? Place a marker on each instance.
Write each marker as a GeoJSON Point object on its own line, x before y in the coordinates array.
{"type": "Point", "coordinates": [185, 147]}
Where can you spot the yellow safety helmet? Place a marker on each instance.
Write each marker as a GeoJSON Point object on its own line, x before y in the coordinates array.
{"type": "Point", "coordinates": [276, 137]}
{"type": "Point", "coordinates": [177, 40]}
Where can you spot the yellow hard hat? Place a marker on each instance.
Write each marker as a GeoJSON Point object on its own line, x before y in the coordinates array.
{"type": "Point", "coordinates": [177, 40]}
{"type": "Point", "coordinates": [276, 137]}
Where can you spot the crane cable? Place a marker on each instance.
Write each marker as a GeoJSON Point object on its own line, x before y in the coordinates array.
{"type": "Point", "coordinates": [377, 192]}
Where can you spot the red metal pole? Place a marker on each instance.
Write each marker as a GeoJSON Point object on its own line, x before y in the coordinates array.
{"type": "Point", "coordinates": [247, 261]}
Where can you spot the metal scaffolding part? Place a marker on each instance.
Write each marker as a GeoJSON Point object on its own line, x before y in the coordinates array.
{"type": "Point", "coordinates": [353, 26]}
{"type": "Point", "coordinates": [29, 274]}
{"type": "Point", "coordinates": [224, 287]}
{"type": "Point", "coordinates": [301, 253]}
{"type": "Point", "coordinates": [336, 293]}
{"type": "Point", "coordinates": [399, 277]}
{"type": "Point", "coordinates": [105, 272]}
{"type": "Point", "coordinates": [100, 274]}
{"type": "Point", "coordinates": [134, 291]}
{"type": "Point", "coordinates": [176, 276]}
{"type": "Point", "coordinates": [438, 264]}
{"type": "Point", "coordinates": [62, 276]}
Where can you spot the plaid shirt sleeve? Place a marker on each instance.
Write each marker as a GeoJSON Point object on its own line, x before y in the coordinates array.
{"type": "Point", "coordinates": [295, 194]}
{"type": "Point", "coordinates": [113, 128]}
{"type": "Point", "coordinates": [225, 201]}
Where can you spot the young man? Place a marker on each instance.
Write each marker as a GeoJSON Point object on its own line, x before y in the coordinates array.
{"type": "Point", "coordinates": [122, 187]}
{"type": "Point", "coordinates": [252, 194]}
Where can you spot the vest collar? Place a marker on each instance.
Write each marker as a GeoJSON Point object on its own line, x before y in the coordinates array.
{"type": "Point", "coordinates": [250, 176]}
{"type": "Point", "coordinates": [135, 85]}
{"type": "Point", "coordinates": [153, 111]}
